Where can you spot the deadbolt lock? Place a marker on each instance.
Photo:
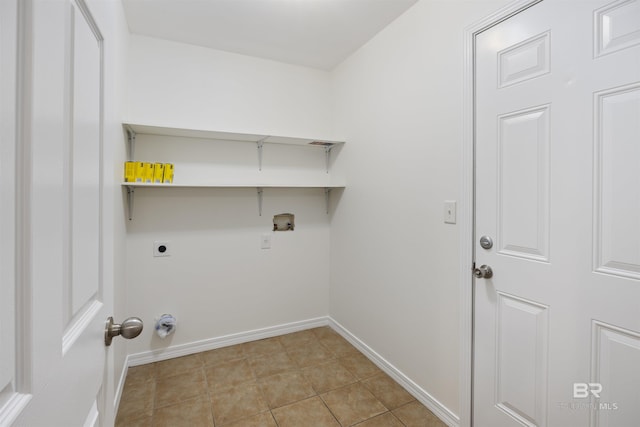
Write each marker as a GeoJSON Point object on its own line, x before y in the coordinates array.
{"type": "Point", "coordinates": [486, 242]}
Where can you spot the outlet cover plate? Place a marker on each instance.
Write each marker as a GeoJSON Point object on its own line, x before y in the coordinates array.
{"type": "Point", "coordinates": [450, 211]}
{"type": "Point", "coordinates": [161, 248]}
{"type": "Point", "coordinates": [265, 241]}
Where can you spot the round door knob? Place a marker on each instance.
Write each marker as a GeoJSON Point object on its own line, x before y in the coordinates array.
{"type": "Point", "coordinates": [483, 272]}
{"type": "Point", "coordinates": [130, 328]}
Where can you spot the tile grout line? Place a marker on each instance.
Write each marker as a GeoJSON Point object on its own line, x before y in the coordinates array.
{"type": "Point", "coordinates": [335, 353]}
{"type": "Point", "coordinates": [330, 411]}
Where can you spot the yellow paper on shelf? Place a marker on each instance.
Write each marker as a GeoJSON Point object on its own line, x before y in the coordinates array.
{"type": "Point", "coordinates": [139, 177]}
{"type": "Point", "coordinates": [129, 171]}
{"type": "Point", "coordinates": [148, 172]}
{"type": "Point", "coordinates": [158, 173]}
{"type": "Point", "coordinates": [168, 173]}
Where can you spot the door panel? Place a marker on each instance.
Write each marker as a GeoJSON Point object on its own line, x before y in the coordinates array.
{"type": "Point", "coordinates": [614, 349]}
{"type": "Point", "coordinates": [85, 169]}
{"type": "Point", "coordinates": [522, 339]}
{"type": "Point", "coordinates": [524, 61]}
{"type": "Point", "coordinates": [617, 160]}
{"type": "Point", "coordinates": [523, 177]}
{"type": "Point", "coordinates": [65, 317]}
{"type": "Point", "coordinates": [617, 26]}
{"type": "Point", "coordinates": [557, 177]}
{"type": "Point", "coordinates": [8, 52]}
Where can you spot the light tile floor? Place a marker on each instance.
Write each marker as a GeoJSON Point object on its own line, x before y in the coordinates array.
{"type": "Point", "coordinates": [312, 378]}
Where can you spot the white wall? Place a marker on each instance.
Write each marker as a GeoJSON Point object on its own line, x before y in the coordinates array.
{"type": "Point", "coordinates": [394, 263]}
{"type": "Point", "coordinates": [218, 281]}
{"type": "Point", "coordinates": [180, 85]}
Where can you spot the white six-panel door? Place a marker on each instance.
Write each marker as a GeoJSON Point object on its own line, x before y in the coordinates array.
{"type": "Point", "coordinates": [557, 328]}
{"type": "Point", "coordinates": [61, 310]}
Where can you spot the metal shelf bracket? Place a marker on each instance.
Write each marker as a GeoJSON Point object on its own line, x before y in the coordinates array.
{"type": "Point", "coordinates": [131, 138]}
{"type": "Point", "coordinates": [260, 191]}
{"type": "Point", "coordinates": [130, 202]}
{"type": "Point", "coordinates": [260, 144]}
{"type": "Point", "coordinates": [327, 155]}
{"type": "Point", "coordinates": [327, 193]}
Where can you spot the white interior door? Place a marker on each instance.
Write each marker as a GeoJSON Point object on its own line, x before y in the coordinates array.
{"type": "Point", "coordinates": [9, 395]}
{"type": "Point", "coordinates": [557, 327]}
{"type": "Point", "coordinates": [61, 310]}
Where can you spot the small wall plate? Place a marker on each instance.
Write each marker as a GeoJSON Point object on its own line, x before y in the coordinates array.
{"type": "Point", "coordinates": [161, 248]}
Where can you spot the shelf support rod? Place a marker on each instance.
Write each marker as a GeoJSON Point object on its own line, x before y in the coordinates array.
{"type": "Point", "coordinates": [130, 202]}
{"type": "Point", "coordinates": [327, 193]}
{"type": "Point", "coordinates": [260, 144]}
{"type": "Point", "coordinates": [260, 191]}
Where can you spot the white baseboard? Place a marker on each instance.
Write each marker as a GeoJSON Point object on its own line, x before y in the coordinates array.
{"type": "Point", "coordinates": [223, 341]}
{"type": "Point", "coordinates": [441, 411]}
{"type": "Point", "coordinates": [210, 344]}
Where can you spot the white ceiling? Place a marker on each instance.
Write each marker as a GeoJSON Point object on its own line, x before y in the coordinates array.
{"type": "Point", "coordinates": [312, 33]}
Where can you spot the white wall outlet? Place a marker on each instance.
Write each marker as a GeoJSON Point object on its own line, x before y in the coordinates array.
{"type": "Point", "coordinates": [450, 211]}
{"type": "Point", "coordinates": [161, 248]}
{"type": "Point", "coordinates": [265, 241]}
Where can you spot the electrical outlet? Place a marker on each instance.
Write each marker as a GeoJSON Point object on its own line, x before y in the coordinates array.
{"type": "Point", "coordinates": [161, 248]}
{"type": "Point", "coordinates": [265, 241]}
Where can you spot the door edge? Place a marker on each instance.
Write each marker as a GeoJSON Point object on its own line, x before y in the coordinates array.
{"type": "Point", "coordinates": [467, 202]}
